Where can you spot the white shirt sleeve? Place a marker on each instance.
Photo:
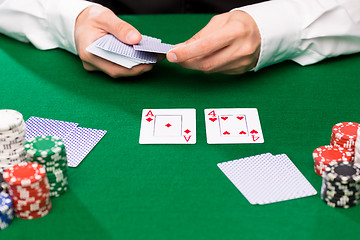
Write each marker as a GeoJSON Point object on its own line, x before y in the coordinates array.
{"type": "Point", "coordinates": [306, 31]}
{"type": "Point", "coordinates": [46, 24]}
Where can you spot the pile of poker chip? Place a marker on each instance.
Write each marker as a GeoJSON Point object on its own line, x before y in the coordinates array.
{"type": "Point", "coordinates": [28, 188]}
{"type": "Point", "coordinates": [341, 184]}
{"type": "Point", "coordinates": [341, 148]}
{"type": "Point", "coordinates": [2, 184]}
{"type": "Point", "coordinates": [49, 151]}
{"type": "Point", "coordinates": [324, 155]}
{"type": "Point", "coordinates": [357, 147]}
{"type": "Point", "coordinates": [344, 135]}
{"type": "Point", "coordinates": [6, 210]}
{"type": "Point", "coordinates": [12, 138]}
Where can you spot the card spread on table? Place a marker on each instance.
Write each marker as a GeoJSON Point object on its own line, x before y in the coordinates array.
{"type": "Point", "coordinates": [78, 141]}
{"type": "Point", "coordinates": [168, 126]}
{"type": "Point", "coordinates": [112, 49]}
{"type": "Point", "coordinates": [36, 126]}
{"type": "Point", "coordinates": [233, 125]}
{"type": "Point", "coordinates": [267, 178]}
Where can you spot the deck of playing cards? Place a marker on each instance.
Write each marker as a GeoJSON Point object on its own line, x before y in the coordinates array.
{"type": "Point", "coordinates": [112, 49]}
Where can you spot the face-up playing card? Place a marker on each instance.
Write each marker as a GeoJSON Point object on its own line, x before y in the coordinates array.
{"type": "Point", "coordinates": [168, 126]}
{"type": "Point", "coordinates": [233, 125]}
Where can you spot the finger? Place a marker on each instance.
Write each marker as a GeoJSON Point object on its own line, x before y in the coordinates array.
{"type": "Point", "coordinates": [211, 62]}
{"type": "Point", "coordinates": [210, 27]}
{"type": "Point", "coordinates": [216, 63]}
{"type": "Point", "coordinates": [122, 30]}
{"type": "Point", "coordinates": [114, 70]}
{"type": "Point", "coordinates": [198, 48]}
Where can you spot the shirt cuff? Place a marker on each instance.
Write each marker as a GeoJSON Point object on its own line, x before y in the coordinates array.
{"type": "Point", "coordinates": [279, 30]}
{"type": "Point", "coordinates": [62, 17]}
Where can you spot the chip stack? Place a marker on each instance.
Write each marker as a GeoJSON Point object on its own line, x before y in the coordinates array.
{"type": "Point", "coordinates": [6, 210]}
{"type": "Point", "coordinates": [29, 190]}
{"type": "Point", "coordinates": [326, 154]}
{"type": "Point", "coordinates": [341, 184]}
{"type": "Point", "coordinates": [49, 151]}
{"type": "Point", "coordinates": [357, 147]}
{"type": "Point", "coordinates": [2, 184]}
{"type": "Point", "coordinates": [344, 135]}
{"type": "Point", "coordinates": [12, 138]}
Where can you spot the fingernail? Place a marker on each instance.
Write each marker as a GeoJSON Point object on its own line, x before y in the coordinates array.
{"type": "Point", "coordinates": [172, 57]}
{"type": "Point", "coordinates": [132, 36]}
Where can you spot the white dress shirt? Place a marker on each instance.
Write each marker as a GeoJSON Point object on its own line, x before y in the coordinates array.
{"type": "Point", "coordinates": [305, 31]}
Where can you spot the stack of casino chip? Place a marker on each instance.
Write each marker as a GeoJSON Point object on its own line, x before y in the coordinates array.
{"type": "Point", "coordinates": [12, 138]}
{"type": "Point", "coordinates": [49, 151]}
{"type": "Point", "coordinates": [341, 184]}
{"type": "Point", "coordinates": [344, 135]}
{"type": "Point", "coordinates": [6, 210]}
{"type": "Point", "coordinates": [357, 147]}
{"type": "Point", "coordinates": [2, 184]}
{"type": "Point", "coordinates": [28, 189]}
{"type": "Point", "coordinates": [326, 154]}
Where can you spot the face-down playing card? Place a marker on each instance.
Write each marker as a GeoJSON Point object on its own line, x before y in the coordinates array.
{"type": "Point", "coordinates": [112, 49]}
{"type": "Point", "coordinates": [265, 178]}
{"type": "Point", "coordinates": [168, 126]}
{"type": "Point", "coordinates": [233, 125]}
{"type": "Point", "coordinates": [154, 45]}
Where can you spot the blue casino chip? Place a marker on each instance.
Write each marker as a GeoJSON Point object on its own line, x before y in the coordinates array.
{"type": "Point", "coordinates": [6, 210]}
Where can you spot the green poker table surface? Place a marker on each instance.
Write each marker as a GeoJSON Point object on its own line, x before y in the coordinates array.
{"type": "Point", "coordinates": [124, 190]}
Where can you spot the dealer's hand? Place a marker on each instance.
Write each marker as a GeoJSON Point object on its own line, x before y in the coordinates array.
{"type": "Point", "coordinates": [229, 43]}
{"type": "Point", "coordinates": [93, 23]}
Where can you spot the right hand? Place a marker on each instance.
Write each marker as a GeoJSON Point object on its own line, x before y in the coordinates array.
{"type": "Point", "coordinates": [93, 23]}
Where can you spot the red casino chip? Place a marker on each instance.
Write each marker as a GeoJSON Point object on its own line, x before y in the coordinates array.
{"type": "Point", "coordinates": [345, 131]}
{"type": "Point", "coordinates": [319, 168]}
{"type": "Point", "coordinates": [329, 153]}
{"type": "Point", "coordinates": [34, 214]}
{"type": "Point", "coordinates": [24, 174]}
{"type": "Point", "coordinates": [24, 206]}
{"type": "Point", "coordinates": [29, 189]}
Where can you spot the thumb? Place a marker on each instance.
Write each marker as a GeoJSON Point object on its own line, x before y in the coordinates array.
{"type": "Point", "coordinates": [122, 30]}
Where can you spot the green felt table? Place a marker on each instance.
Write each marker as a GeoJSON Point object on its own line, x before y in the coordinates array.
{"type": "Point", "coordinates": [124, 190]}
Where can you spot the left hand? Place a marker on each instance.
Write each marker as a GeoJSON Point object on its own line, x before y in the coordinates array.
{"type": "Point", "coordinates": [229, 43]}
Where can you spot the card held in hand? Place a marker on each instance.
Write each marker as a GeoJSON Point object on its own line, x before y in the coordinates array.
{"type": "Point", "coordinates": [168, 126]}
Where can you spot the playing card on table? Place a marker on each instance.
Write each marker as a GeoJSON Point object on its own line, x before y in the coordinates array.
{"type": "Point", "coordinates": [36, 126]}
{"type": "Point", "coordinates": [168, 126]}
{"type": "Point", "coordinates": [80, 142]}
{"type": "Point", "coordinates": [233, 125]}
{"type": "Point", "coordinates": [265, 178]}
